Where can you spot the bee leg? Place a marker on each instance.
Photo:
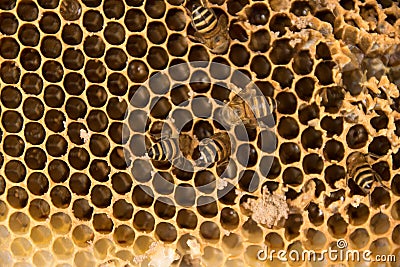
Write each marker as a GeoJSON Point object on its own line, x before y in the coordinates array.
{"type": "Point", "coordinates": [195, 38]}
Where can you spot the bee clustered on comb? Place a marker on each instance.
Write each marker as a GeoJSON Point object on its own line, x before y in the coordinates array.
{"type": "Point", "coordinates": [69, 70]}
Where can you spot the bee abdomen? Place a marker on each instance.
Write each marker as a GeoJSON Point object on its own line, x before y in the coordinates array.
{"type": "Point", "coordinates": [203, 19]}
{"type": "Point", "coordinates": [164, 150]}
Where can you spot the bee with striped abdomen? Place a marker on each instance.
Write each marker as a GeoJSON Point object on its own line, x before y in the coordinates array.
{"type": "Point", "coordinates": [361, 172]}
{"type": "Point", "coordinates": [217, 149]}
{"type": "Point", "coordinates": [247, 108]}
{"type": "Point", "coordinates": [171, 148]}
{"type": "Point", "coordinates": [209, 29]}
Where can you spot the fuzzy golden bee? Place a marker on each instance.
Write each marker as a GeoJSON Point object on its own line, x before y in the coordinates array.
{"type": "Point", "coordinates": [210, 30]}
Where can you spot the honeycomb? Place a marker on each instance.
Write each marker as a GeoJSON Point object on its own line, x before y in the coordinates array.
{"type": "Point", "coordinates": [87, 87]}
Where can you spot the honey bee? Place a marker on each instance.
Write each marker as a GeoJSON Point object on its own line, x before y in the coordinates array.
{"type": "Point", "coordinates": [211, 30]}
{"type": "Point", "coordinates": [361, 172]}
{"type": "Point", "coordinates": [171, 148]}
{"type": "Point", "coordinates": [247, 108]}
{"type": "Point", "coordinates": [217, 149]}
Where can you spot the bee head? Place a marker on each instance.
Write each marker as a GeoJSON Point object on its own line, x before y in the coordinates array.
{"type": "Point", "coordinates": [354, 158]}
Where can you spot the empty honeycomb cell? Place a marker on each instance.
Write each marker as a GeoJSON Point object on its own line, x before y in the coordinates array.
{"type": "Point", "coordinates": [15, 171]}
{"type": "Point", "coordinates": [82, 235]}
{"type": "Point", "coordinates": [283, 76]}
{"type": "Point", "coordinates": [21, 247]}
{"type": "Point", "coordinates": [302, 63]}
{"type": "Point", "coordinates": [95, 71]}
{"type": "Point", "coordinates": [56, 145]}
{"type": "Point", "coordinates": [205, 181]}
{"type": "Point", "coordinates": [79, 183]}
{"type": "Point", "coordinates": [282, 52]}
{"type": "Point", "coordinates": [142, 196]}
{"type": "Point", "coordinates": [395, 185]}
{"type": "Point", "coordinates": [312, 164]}
{"type": "Point", "coordinates": [332, 126]}
{"type": "Point", "coordinates": [351, 81]}
{"type": "Point", "coordinates": [236, 6]}
{"type": "Point", "coordinates": [383, 170]}
{"type": "Point", "coordinates": [32, 83]}
{"type": "Point", "coordinates": [74, 83]}
{"type": "Point", "coordinates": [369, 13]}
{"type": "Point", "coordinates": [96, 96]}
{"type": "Point", "coordinates": [179, 70]}
{"type": "Point", "coordinates": [274, 241]}
{"type": "Point", "coordinates": [9, 48]}
{"type": "Point", "coordinates": [63, 247]}
{"type": "Point", "coordinates": [155, 8]}
{"type": "Point", "coordinates": [93, 46]}
{"type": "Point", "coordinates": [286, 103]}
{"type": "Point", "coordinates": [358, 215]}
{"type": "Point", "coordinates": [121, 182]}
{"type": "Point", "coordinates": [117, 84]}
{"type": "Point", "coordinates": [41, 235]}
{"type": "Point", "coordinates": [116, 109]}
{"type": "Point", "coordinates": [28, 35]}
{"type": "Point", "coordinates": [164, 208]}
{"type": "Point", "coordinates": [288, 127]}
{"type": "Point", "coordinates": [247, 155]}
{"type": "Point", "coordinates": [236, 31]}
{"type": "Point", "coordinates": [315, 214]}
{"type": "Point", "coordinates": [143, 221]}
{"type": "Point", "coordinates": [279, 22]}
{"type": "Point", "coordinates": [93, 21]}
{"type": "Point", "coordinates": [258, 14]}
{"type": "Point", "coordinates": [135, 20]}
{"type": "Point", "coordinates": [8, 23]}
{"type": "Point", "coordinates": [379, 223]}
{"type": "Point", "coordinates": [380, 246]}
{"type": "Point", "coordinates": [203, 129]}
{"type": "Point", "coordinates": [39, 209]}
{"type": "Point", "coordinates": [82, 209]}
{"type": "Point", "coordinates": [239, 55]}
{"type": "Point", "coordinates": [289, 152]}
{"type": "Point", "coordinates": [157, 58]}
{"type": "Point", "coordinates": [347, 4]}
{"type": "Point", "coordinates": [275, 167]}
{"type": "Point", "coordinates": [301, 8]}
{"type": "Point", "coordinates": [27, 10]}
{"type": "Point", "coordinates": [114, 9]}
{"type": "Point", "coordinates": [261, 66]}
{"type": "Point", "coordinates": [379, 145]}
{"type": "Point", "coordinates": [122, 210]}
{"type": "Point", "coordinates": [183, 121]}
{"type": "Point", "coordinates": [177, 45]}
{"type": "Point", "coordinates": [13, 145]}
{"type": "Point", "coordinates": [58, 171]}
{"type": "Point", "coordinates": [332, 98]}
{"type": "Point", "coordinates": [199, 53]}
{"type": "Point", "coordinates": [54, 119]}
{"type": "Point", "coordinates": [35, 158]}
{"type": "Point", "coordinates": [43, 258]}
{"type": "Point", "coordinates": [323, 72]}
{"type": "Point", "coordinates": [200, 83]}
{"type": "Point", "coordinates": [99, 170]}
{"type": "Point", "coordinates": [124, 235]}
{"type": "Point", "coordinates": [102, 223]}
{"type": "Point", "coordinates": [50, 23]}
{"type": "Point", "coordinates": [315, 239]}
{"type": "Point", "coordinates": [60, 196]}
{"type": "Point", "coordinates": [210, 231]}
{"type": "Point", "coordinates": [337, 226]}
{"type": "Point", "coordinates": [267, 141]}
{"type": "Point", "coordinates": [166, 232]}
{"type": "Point", "coordinates": [52, 71]}
{"type": "Point", "coordinates": [333, 150]}
{"type": "Point", "coordinates": [334, 173]}
{"type": "Point", "coordinates": [357, 136]}
{"type": "Point", "coordinates": [326, 16]}
{"type": "Point", "coordinates": [17, 197]}
{"type": "Point", "coordinates": [12, 121]}
{"type": "Point", "coordinates": [136, 46]}
{"type": "Point", "coordinates": [101, 196]}
{"type": "Point", "coordinates": [292, 226]}
{"type": "Point", "coordinates": [396, 235]}
{"type": "Point", "coordinates": [97, 120]}
{"type": "Point", "coordinates": [175, 19]}
{"type": "Point", "coordinates": [72, 34]}
{"type": "Point", "coordinates": [74, 132]}
{"type": "Point", "coordinates": [380, 197]}
{"type": "Point", "coordinates": [114, 33]}
{"type": "Point", "coordinates": [163, 183]}
{"type": "Point", "coordinates": [19, 223]}
{"type": "Point", "coordinates": [10, 72]}
{"type": "Point", "coordinates": [207, 207]}
{"type": "Point", "coordinates": [138, 71]}
{"type": "Point", "coordinates": [156, 32]}
{"type": "Point", "coordinates": [70, 9]}
{"type": "Point", "coordinates": [292, 176]}
{"type": "Point", "coordinates": [229, 218]}
{"type": "Point", "coordinates": [30, 59]}
{"type": "Point", "coordinates": [260, 41]}
{"type": "Point", "coordinates": [249, 181]}
{"type": "Point", "coordinates": [48, 4]}
{"type": "Point", "coordinates": [73, 59]}
{"type": "Point", "coordinates": [33, 108]}
{"type": "Point", "coordinates": [185, 195]}
{"type": "Point", "coordinates": [116, 59]}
